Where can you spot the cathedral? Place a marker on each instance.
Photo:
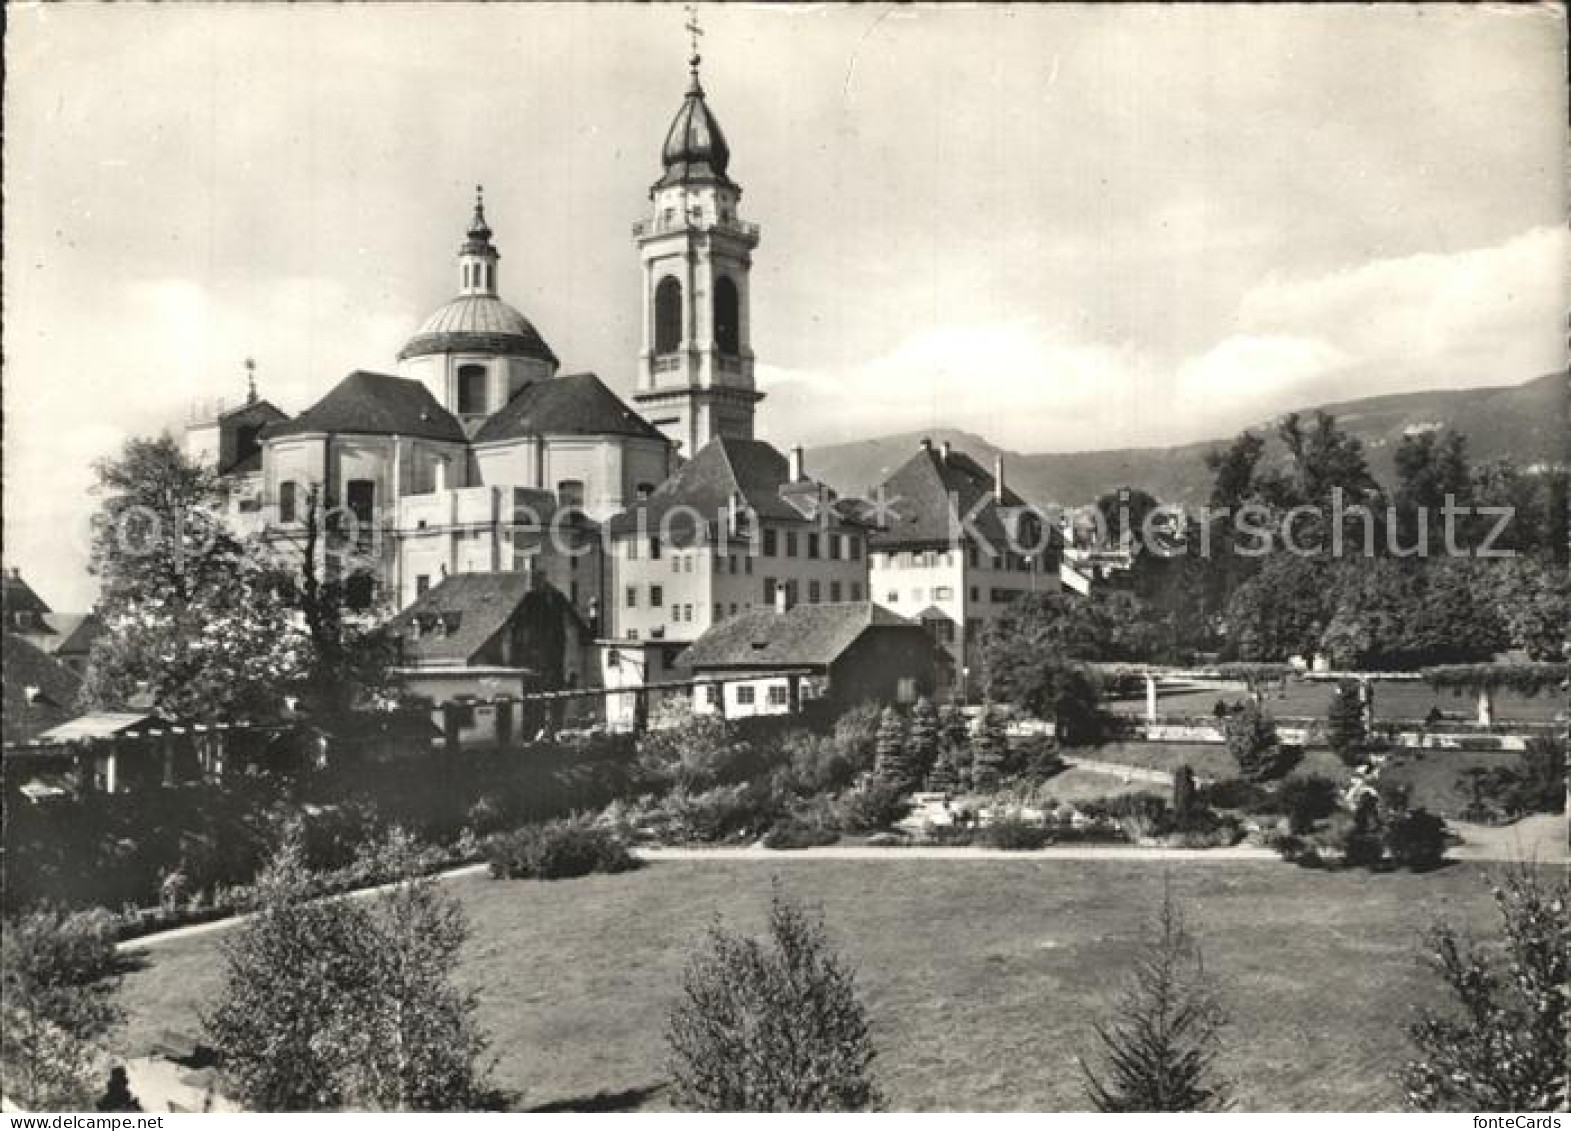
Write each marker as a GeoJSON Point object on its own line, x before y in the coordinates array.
{"type": "Point", "coordinates": [478, 454]}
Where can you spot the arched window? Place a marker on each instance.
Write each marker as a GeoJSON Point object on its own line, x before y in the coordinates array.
{"type": "Point", "coordinates": [668, 316]}
{"type": "Point", "coordinates": [570, 493]}
{"type": "Point", "coordinates": [728, 311]}
{"type": "Point", "coordinates": [471, 389]}
{"type": "Point", "coordinates": [286, 502]}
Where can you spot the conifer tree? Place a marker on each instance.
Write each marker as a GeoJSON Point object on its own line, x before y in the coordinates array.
{"type": "Point", "coordinates": [922, 740]}
{"type": "Point", "coordinates": [1346, 729]}
{"type": "Point", "coordinates": [1159, 1052]}
{"type": "Point", "coordinates": [989, 749]}
{"type": "Point", "coordinates": [891, 765]}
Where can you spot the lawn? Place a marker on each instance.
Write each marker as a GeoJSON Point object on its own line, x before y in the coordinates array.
{"type": "Point", "coordinates": [1392, 701]}
{"type": "Point", "coordinates": [1206, 759]}
{"type": "Point", "coordinates": [982, 977]}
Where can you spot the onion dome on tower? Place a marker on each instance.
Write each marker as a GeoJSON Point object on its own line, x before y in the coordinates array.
{"type": "Point", "coordinates": [695, 149]}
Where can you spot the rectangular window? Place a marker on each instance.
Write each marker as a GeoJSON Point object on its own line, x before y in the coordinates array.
{"type": "Point", "coordinates": [779, 696]}
{"type": "Point", "coordinates": [769, 591]}
{"type": "Point", "coordinates": [712, 693]}
{"type": "Point", "coordinates": [854, 546]}
{"type": "Point", "coordinates": [893, 596]}
{"type": "Point", "coordinates": [656, 597]}
{"type": "Point", "coordinates": [856, 591]}
{"type": "Point", "coordinates": [676, 612]}
{"type": "Point", "coordinates": [422, 584]}
{"type": "Point", "coordinates": [813, 591]}
{"type": "Point", "coordinates": [687, 562]}
{"type": "Point", "coordinates": [834, 546]}
{"type": "Point", "coordinates": [654, 549]}
{"type": "Point", "coordinates": [745, 695]}
{"type": "Point", "coordinates": [732, 610]}
{"type": "Point", "coordinates": [812, 545]}
{"type": "Point", "coordinates": [905, 690]}
{"type": "Point", "coordinates": [632, 549]}
{"type": "Point", "coordinates": [687, 614]}
{"type": "Point", "coordinates": [975, 558]}
{"type": "Point", "coordinates": [632, 596]}
{"type": "Point", "coordinates": [943, 593]}
{"type": "Point", "coordinates": [748, 563]}
{"type": "Point", "coordinates": [791, 592]}
{"type": "Point", "coordinates": [790, 544]}
{"type": "Point", "coordinates": [976, 593]}
{"type": "Point", "coordinates": [286, 502]}
{"type": "Point", "coordinates": [718, 614]}
{"type": "Point", "coordinates": [834, 591]}
{"type": "Point", "coordinates": [769, 543]}
{"type": "Point", "coordinates": [676, 563]}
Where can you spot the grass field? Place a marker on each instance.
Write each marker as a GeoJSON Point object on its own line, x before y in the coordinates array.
{"type": "Point", "coordinates": [982, 977]}
{"type": "Point", "coordinates": [1207, 759]}
{"type": "Point", "coordinates": [1392, 701]}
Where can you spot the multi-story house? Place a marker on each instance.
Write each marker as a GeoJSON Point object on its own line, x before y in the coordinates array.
{"type": "Point", "coordinates": [954, 546]}
{"type": "Point", "coordinates": [739, 526]}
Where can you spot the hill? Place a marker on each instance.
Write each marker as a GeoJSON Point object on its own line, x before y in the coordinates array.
{"type": "Point", "coordinates": [1528, 422]}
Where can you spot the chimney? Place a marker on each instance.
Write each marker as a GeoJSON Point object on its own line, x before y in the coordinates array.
{"type": "Point", "coordinates": [927, 443]}
{"type": "Point", "coordinates": [945, 449]}
{"type": "Point", "coordinates": [798, 466]}
{"type": "Point", "coordinates": [998, 478]}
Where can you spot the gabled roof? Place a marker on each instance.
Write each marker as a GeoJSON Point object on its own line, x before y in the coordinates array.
{"type": "Point", "coordinates": [473, 608]}
{"type": "Point", "coordinates": [926, 498]}
{"type": "Point", "coordinates": [576, 404]}
{"type": "Point", "coordinates": [805, 636]}
{"type": "Point", "coordinates": [53, 702]}
{"type": "Point", "coordinates": [66, 633]}
{"type": "Point", "coordinates": [375, 404]}
{"type": "Point", "coordinates": [18, 596]}
{"type": "Point", "coordinates": [727, 467]}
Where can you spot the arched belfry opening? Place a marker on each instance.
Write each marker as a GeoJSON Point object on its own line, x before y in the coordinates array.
{"type": "Point", "coordinates": [728, 317]}
{"type": "Point", "coordinates": [668, 316]}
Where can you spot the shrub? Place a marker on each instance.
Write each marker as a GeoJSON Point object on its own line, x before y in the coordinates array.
{"type": "Point", "coordinates": [1185, 804]}
{"type": "Point", "coordinates": [57, 1003]}
{"type": "Point", "coordinates": [1237, 793]}
{"type": "Point", "coordinates": [1502, 1046]}
{"type": "Point", "coordinates": [812, 764]}
{"type": "Point", "coordinates": [695, 751]}
{"type": "Point", "coordinates": [1307, 800]}
{"type": "Point", "coordinates": [856, 734]}
{"type": "Point", "coordinates": [1361, 840]}
{"type": "Point", "coordinates": [798, 834]}
{"type": "Point", "coordinates": [1253, 743]}
{"type": "Point", "coordinates": [339, 1003]}
{"type": "Point", "coordinates": [558, 850]}
{"type": "Point", "coordinates": [772, 1027]}
{"type": "Point", "coordinates": [871, 808]}
{"type": "Point", "coordinates": [1161, 1048]}
{"type": "Point", "coordinates": [1416, 839]}
{"type": "Point", "coordinates": [1012, 833]}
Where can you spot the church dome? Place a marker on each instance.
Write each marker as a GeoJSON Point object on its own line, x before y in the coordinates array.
{"type": "Point", "coordinates": [695, 148]}
{"type": "Point", "coordinates": [479, 323]}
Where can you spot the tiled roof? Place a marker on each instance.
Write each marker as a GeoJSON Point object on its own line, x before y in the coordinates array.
{"type": "Point", "coordinates": [473, 607]}
{"type": "Point", "coordinates": [478, 322]}
{"type": "Point", "coordinates": [805, 636]}
{"type": "Point", "coordinates": [18, 596]}
{"type": "Point", "coordinates": [66, 633]}
{"type": "Point", "coordinates": [575, 404]}
{"type": "Point", "coordinates": [54, 703]}
{"type": "Point", "coordinates": [926, 498]}
{"type": "Point", "coordinates": [727, 466]}
{"type": "Point", "coordinates": [379, 405]}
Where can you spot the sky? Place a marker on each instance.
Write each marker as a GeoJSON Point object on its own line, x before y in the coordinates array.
{"type": "Point", "coordinates": [1062, 227]}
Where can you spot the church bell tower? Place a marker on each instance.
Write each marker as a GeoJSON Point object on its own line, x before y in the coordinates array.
{"type": "Point", "coordinates": [695, 378]}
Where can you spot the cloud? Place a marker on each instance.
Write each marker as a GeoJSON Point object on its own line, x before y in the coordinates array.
{"type": "Point", "coordinates": [1481, 316]}
{"type": "Point", "coordinates": [1256, 375]}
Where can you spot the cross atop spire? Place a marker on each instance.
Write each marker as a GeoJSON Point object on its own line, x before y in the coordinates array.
{"type": "Point", "coordinates": [693, 32]}
{"type": "Point", "coordinates": [478, 228]}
